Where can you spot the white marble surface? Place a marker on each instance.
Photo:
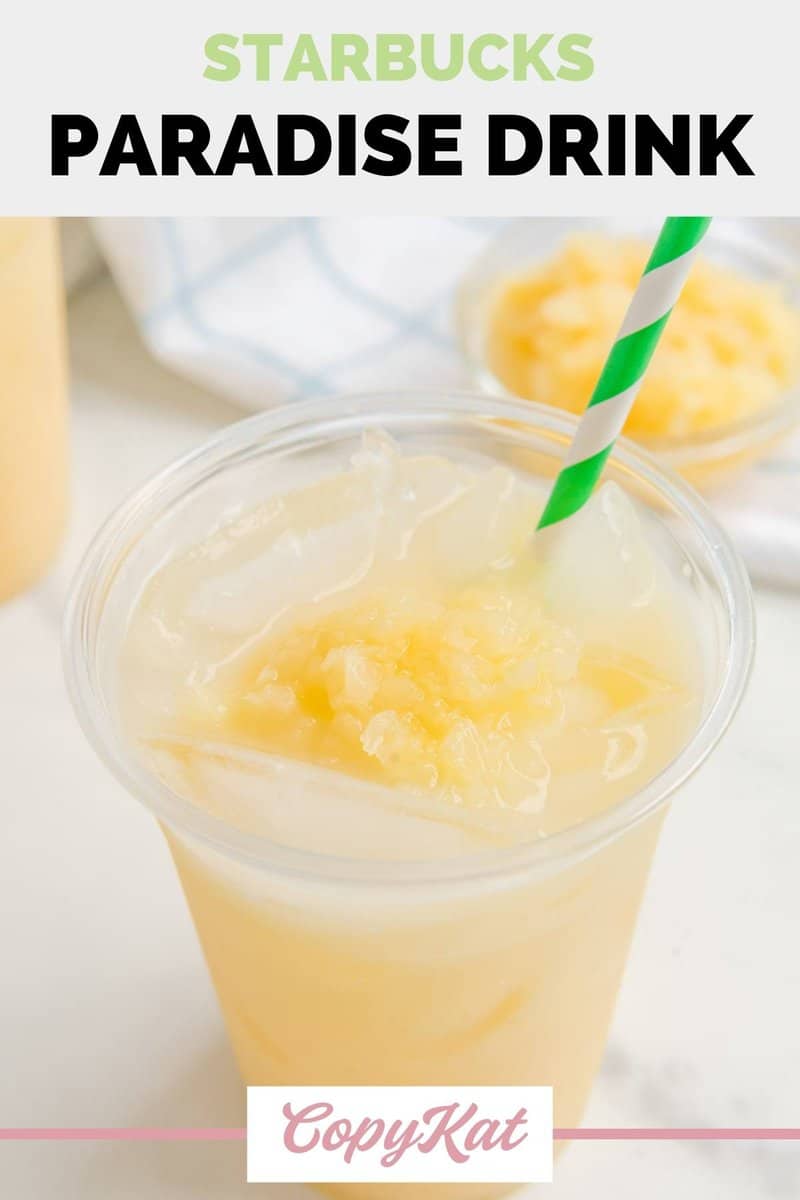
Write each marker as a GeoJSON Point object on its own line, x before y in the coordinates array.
{"type": "Point", "coordinates": [107, 1016]}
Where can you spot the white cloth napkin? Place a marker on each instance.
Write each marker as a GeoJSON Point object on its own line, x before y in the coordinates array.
{"type": "Point", "coordinates": [268, 311]}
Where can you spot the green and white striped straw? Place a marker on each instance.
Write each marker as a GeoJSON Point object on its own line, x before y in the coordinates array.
{"type": "Point", "coordinates": [623, 373]}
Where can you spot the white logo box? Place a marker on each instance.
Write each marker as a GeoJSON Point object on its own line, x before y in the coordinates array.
{"type": "Point", "coordinates": [399, 1135]}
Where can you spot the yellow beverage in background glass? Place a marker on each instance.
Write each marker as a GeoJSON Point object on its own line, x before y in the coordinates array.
{"type": "Point", "coordinates": [33, 401]}
{"type": "Point", "coordinates": [412, 775]}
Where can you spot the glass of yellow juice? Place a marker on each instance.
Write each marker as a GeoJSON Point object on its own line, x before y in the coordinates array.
{"type": "Point", "coordinates": [410, 758]}
{"type": "Point", "coordinates": [33, 400]}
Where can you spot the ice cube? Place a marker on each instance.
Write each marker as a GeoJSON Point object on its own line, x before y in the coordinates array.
{"type": "Point", "coordinates": [320, 811]}
{"type": "Point", "coordinates": [601, 576]}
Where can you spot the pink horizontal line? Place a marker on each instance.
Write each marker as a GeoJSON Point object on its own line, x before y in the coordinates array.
{"type": "Point", "coordinates": [676, 1135]}
{"type": "Point", "coordinates": [239, 1135]}
{"type": "Point", "coordinates": [123, 1135]}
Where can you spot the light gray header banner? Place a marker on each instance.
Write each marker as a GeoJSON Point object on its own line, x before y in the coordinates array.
{"type": "Point", "coordinates": [317, 109]}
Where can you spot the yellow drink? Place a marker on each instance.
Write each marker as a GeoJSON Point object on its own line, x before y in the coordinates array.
{"type": "Point", "coordinates": [500, 985]}
{"type": "Point", "coordinates": [33, 401]}
{"type": "Point", "coordinates": [430, 651]}
{"type": "Point", "coordinates": [412, 749]}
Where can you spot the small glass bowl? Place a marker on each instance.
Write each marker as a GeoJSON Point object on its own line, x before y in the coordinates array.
{"type": "Point", "coordinates": [768, 251]}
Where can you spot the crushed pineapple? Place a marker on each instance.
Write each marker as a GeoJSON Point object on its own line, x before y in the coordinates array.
{"type": "Point", "coordinates": [469, 695]}
{"type": "Point", "coordinates": [730, 347]}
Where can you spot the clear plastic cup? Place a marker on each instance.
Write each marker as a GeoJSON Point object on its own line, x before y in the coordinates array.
{"type": "Point", "coordinates": [497, 968]}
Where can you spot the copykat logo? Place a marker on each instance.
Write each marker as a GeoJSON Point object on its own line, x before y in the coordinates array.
{"type": "Point", "coordinates": [400, 1135]}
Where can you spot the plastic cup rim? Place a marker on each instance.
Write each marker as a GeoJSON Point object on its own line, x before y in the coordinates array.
{"type": "Point", "coordinates": [508, 864]}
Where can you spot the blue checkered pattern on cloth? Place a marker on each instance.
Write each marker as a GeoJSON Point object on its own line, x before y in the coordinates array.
{"type": "Point", "coordinates": [267, 311]}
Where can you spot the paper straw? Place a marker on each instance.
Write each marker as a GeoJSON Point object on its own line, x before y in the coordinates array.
{"type": "Point", "coordinates": [623, 373]}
